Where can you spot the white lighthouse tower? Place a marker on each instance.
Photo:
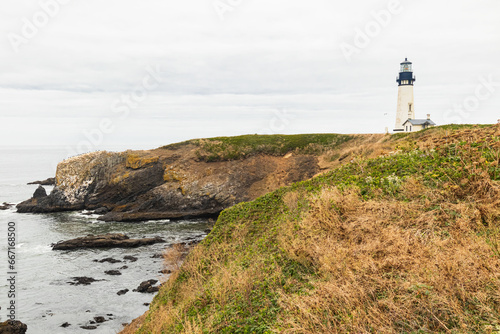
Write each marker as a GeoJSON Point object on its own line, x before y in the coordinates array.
{"type": "Point", "coordinates": [406, 106]}
{"type": "Point", "coordinates": [405, 115]}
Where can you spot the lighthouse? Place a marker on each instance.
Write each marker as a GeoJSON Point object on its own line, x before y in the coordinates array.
{"type": "Point", "coordinates": [406, 107]}
{"type": "Point", "coordinates": [405, 115]}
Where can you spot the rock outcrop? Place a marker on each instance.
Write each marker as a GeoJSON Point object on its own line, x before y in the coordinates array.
{"type": "Point", "coordinates": [148, 286]}
{"type": "Point", "coordinates": [40, 192]}
{"type": "Point", "coordinates": [51, 181]}
{"type": "Point", "coordinates": [12, 327]}
{"type": "Point", "coordinates": [165, 183]}
{"type": "Point", "coordinates": [5, 206]}
{"type": "Point", "coordinates": [110, 240]}
{"type": "Point", "coordinates": [83, 280]}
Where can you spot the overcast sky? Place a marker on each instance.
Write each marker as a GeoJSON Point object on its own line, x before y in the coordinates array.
{"type": "Point", "coordinates": [91, 74]}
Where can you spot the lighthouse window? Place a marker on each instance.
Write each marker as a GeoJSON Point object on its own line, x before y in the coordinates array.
{"type": "Point", "coordinates": [406, 67]}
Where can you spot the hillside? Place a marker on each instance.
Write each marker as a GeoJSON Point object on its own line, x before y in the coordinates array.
{"type": "Point", "coordinates": [407, 242]}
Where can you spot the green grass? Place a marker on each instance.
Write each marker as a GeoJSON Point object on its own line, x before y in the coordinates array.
{"type": "Point", "coordinates": [234, 148]}
{"type": "Point", "coordinates": [435, 130]}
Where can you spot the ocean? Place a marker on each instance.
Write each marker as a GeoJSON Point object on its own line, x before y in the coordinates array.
{"type": "Point", "coordinates": [44, 298]}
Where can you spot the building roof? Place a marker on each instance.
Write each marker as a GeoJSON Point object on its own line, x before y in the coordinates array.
{"type": "Point", "coordinates": [420, 122]}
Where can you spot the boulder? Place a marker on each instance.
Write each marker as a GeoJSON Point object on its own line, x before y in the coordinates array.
{"type": "Point", "coordinates": [108, 259]}
{"type": "Point", "coordinates": [101, 211]}
{"type": "Point", "coordinates": [122, 292]}
{"type": "Point", "coordinates": [147, 286]}
{"type": "Point", "coordinates": [13, 327]}
{"type": "Point", "coordinates": [83, 280]}
{"type": "Point", "coordinates": [113, 272]}
{"type": "Point", "coordinates": [40, 192]}
{"type": "Point", "coordinates": [99, 319]}
{"type": "Point", "coordinates": [5, 206]}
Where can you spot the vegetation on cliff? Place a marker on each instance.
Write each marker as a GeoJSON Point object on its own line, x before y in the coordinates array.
{"type": "Point", "coordinates": [403, 243]}
{"type": "Point", "coordinates": [234, 148]}
{"type": "Point", "coordinates": [241, 147]}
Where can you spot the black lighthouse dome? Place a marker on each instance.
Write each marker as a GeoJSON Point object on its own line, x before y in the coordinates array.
{"type": "Point", "coordinates": [406, 74]}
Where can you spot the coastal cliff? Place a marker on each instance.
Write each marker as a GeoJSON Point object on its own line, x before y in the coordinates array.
{"type": "Point", "coordinates": [189, 179]}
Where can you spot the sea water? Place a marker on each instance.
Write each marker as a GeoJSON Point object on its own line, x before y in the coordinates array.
{"type": "Point", "coordinates": [44, 298]}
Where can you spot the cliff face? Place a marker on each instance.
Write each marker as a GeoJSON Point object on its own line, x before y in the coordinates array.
{"type": "Point", "coordinates": [169, 182]}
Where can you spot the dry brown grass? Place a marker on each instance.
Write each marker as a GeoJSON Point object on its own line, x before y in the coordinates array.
{"type": "Point", "coordinates": [134, 325]}
{"type": "Point", "coordinates": [361, 147]}
{"type": "Point", "coordinates": [174, 256]}
{"type": "Point", "coordinates": [390, 266]}
{"type": "Point", "coordinates": [226, 281]}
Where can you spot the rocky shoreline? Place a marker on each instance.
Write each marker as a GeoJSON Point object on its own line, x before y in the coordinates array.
{"type": "Point", "coordinates": [117, 240]}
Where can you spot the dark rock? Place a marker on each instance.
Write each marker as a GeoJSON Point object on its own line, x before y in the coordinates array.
{"type": "Point", "coordinates": [13, 327]}
{"type": "Point", "coordinates": [5, 206]}
{"type": "Point", "coordinates": [112, 272]}
{"type": "Point", "coordinates": [99, 319]}
{"type": "Point", "coordinates": [122, 292]}
{"type": "Point", "coordinates": [130, 258]}
{"type": "Point", "coordinates": [157, 256]}
{"type": "Point", "coordinates": [65, 325]}
{"type": "Point", "coordinates": [55, 202]}
{"type": "Point", "coordinates": [40, 192]}
{"type": "Point", "coordinates": [109, 314]}
{"type": "Point", "coordinates": [83, 281]}
{"type": "Point", "coordinates": [207, 231]}
{"type": "Point", "coordinates": [124, 267]}
{"type": "Point", "coordinates": [101, 211]}
{"type": "Point", "coordinates": [109, 259]}
{"type": "Point", "coordinates": [91, 322]}
{"type": "Point", "coordinates": [146, 304]}
{"type": "Point", "coordinates": [88, 327]}
{"type": "Point", "coordinates": [147, 286]}
{"type": "Point", "coordinates": [51, 181]}
{"type": "Point", "coordinates": [109, 240]}
{"type": "Point", "coordinates": [165, 271]}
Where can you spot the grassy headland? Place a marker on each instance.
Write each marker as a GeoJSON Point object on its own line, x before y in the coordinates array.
{"type": "Point", "coordinates": [408, 242]}
{"type": "Point", "coordinates": [235, 148]}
